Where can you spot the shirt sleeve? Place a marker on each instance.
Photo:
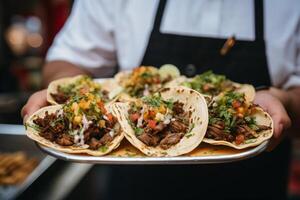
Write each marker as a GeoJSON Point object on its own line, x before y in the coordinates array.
{"type": "Point", "coordinates": [86, 39]}
{"type": "Point", "coordinates": [294, 77]}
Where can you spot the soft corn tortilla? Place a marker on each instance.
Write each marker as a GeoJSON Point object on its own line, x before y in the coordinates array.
{"type": "Point", "coordinates": [262, 118]}
{"type": "Point", "coordinates": [193, 101]}
{"type": "Point", "coordinates": [34, 135]}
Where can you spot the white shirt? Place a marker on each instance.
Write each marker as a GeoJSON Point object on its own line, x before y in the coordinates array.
{"type": "Point", "coordinates": [99, 34]}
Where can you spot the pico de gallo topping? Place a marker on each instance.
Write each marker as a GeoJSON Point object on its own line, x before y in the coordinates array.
{"type": "Point", "coordinates": [159, 122]}
{"type": "Point", "coordinates": [230, 119]}
{"type": "Point", "coordinates": [143, 81]}
{"type": "Point", "coordinates": [83, 121]}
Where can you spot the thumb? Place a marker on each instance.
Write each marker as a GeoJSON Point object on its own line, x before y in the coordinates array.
{"type": "Point", "coordinates": [35, 102]}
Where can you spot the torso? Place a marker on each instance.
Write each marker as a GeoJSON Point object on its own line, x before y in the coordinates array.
{"type": "Point", "coordinates": [253, 178]}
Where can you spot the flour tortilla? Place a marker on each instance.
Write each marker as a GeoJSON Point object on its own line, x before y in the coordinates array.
{"type": "Point", "coordinates": [121, 77]}
{"type": "Point", "coordinates": [193, 101]}
{"type": "Point", "coordinates": [34, 135]}
{"type": "Point", "coordinates": [109, 85]}
{"type": "Point", "coordinates": [247, 89]}
{"type": "Point", "coordinates": [52, 87]}
{"type": "Point", "coordinates": [262, 118]}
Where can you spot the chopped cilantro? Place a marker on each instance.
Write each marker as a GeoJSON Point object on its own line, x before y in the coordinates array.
{"type": "Point", "coordinates": [222, 110]}
{"type": "Point", "coordinates": [156, 100]}
{"type": "Point", "coordinates": [250, 141]}
{"type": "Point", "coordinates": [214, 81]}
{"type": "Point", "coordinates": [138, 130]}
{"type": "Point", "coordinates": [188, 135]}
{"type": "Point", "coordinates": [169, 103]}
{"type": "Point", "coordinates": [33, 126]}
{"type": "Point", "coordinates": [191, 127]}
{"type": "Point", "coordinates": [103, 149]}
{"type": "Point", "coordinates": [146, 75]}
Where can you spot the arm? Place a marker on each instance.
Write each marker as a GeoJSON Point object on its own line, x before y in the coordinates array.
{"type": "Point", "coordinates": [59, 69]}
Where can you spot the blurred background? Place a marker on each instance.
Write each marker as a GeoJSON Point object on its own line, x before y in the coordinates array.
{"type": "Point", "coordinates": [27, 29]}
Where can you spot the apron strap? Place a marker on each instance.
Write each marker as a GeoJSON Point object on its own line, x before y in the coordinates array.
{"type": "Point", "coordinates": [259, 19]}
{"type": "Point", "coordinates": [159, 14]}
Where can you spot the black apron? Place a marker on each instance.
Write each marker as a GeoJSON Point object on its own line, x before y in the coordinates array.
{"type": "Point", "coordinates": [264, 176]}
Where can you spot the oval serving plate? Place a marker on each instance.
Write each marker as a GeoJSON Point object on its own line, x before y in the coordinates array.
{"type": "Point", "coordinates": [128, 155]}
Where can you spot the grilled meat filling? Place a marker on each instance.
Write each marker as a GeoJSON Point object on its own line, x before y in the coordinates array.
{"type": "Point", "coordinates": [230, 119]}
{"type": "Point", "coordinates": [81, 86]}
{"type": "Point", "coordinates": [94, 136]}
{"type": "Point", "coordinates": [158, 125]}
{"type": "Point", "coordinates": [82, 121]}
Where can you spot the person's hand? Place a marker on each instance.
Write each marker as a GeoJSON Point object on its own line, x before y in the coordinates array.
{"type": "Point", "coordinates": [275, 108]}
{"type": "Point", "coordinates": [35, 102]}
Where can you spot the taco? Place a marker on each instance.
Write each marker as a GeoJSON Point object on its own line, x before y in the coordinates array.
{"type": "Point", "coordinates": [212, 84]}
{"type": "Point", "coordinates": [171, 122]}
{"type": "Point", "coordinates": [237, 123]}
{"type": "Point", "coordinates": [82, 125]}
{"type": "Point", "coordinates": [145, 80]}
{"type": "Point", "coordinates": [61, 90]}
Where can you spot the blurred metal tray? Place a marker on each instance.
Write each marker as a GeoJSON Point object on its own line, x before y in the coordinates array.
{"type": "Point", "coordinates": [126, 154]}
{"type": "Point", "coordinates": [12, 139]}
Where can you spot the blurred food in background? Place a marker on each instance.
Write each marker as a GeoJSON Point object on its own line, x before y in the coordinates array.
{"type": "Point", "coordinates": [15, 167]}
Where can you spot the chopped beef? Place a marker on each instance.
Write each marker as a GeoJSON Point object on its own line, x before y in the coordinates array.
{"type": "Point", "coordinates": [48, 135]}
{"type": "Point", "coordinates": [59, 128]}
{"type": "Point", "coordinates": [60, 97]}
{"type": "Point", "coordinates": [94, 144]}
{"type": "Point", "coordinates": [56, 130]}
{"type": "Point", "coordinates": [241, 133]}
{"type": "Point", "coordinates": [177, 126]}
{"type": "Point", "coordinates": [248, 132]}
{"type": "Point", "coordinates": [263, 127]}
{"type": "Point", "coordinates": [159, 127]}
{"type": "Point", "coordinates": [167, 79]}
{"type": "Point", "coordinates": [105, 139]}
{"type": "Point", "coordinates": [92, 131]}
{"type": "Point", "coordinates": [165, 134]}
{"type": "Point", "coordinates": [178, 108]}
{"type": "Point", "coordinates": [216, 133]}
{"type": "Point", "coordinates": [65, 140]}
{"type": "Point", "coordinates": [44, 122]}
{"type": "Point", "coordinates": [105, 95]}
{"type": "Point", "coordinates": [148, 139]}
{"type": "Point", "coordinates": [170, 139]}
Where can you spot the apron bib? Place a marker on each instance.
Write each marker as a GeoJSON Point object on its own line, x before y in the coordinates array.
{"type": "Point", "coordinates": [264, 176]}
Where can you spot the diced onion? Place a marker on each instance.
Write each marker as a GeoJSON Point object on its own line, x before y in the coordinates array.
{"type": "Point", "coordinates": [140, 119]}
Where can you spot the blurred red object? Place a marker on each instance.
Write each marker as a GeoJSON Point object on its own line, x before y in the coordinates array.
{"type": "Point", "coordinates": [57, 13]}
{"type": "Point", "coordinates": [294, 183]}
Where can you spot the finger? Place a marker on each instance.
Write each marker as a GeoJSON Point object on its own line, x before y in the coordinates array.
{"type": "Point", "coordinates": [35, 102]}
{"type": "Point", "coordinates": [275, 141]}
{"type": "Point", "coordinates": [279, 115]}
{"type": "Point", "coordinates": [278, 125]}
